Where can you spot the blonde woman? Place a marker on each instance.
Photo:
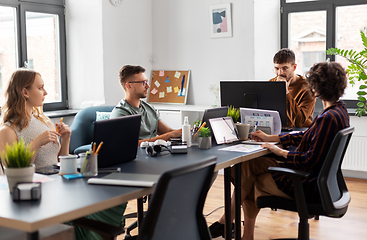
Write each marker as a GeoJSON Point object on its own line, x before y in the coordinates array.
{"type": "Point", "coordinates": [22, 117]}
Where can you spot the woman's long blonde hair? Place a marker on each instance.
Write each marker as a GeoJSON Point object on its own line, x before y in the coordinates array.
{"type": "Point", "coordinates": [13, 110]}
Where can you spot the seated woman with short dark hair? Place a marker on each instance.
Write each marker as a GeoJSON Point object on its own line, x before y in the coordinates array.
{"type": "Point", "coordinates": [326, 81]}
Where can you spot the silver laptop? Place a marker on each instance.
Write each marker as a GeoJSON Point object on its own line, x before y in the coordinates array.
{"type": "Point", "coordinates": [224, 130]}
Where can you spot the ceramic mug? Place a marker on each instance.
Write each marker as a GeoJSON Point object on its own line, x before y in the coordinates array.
{"type": "Point", "coordinates": [68, 164]}
{"type": "Point", "coordinates": [243, 130]}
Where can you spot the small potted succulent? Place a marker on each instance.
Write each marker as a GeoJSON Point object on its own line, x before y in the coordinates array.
{"type": "Point", "coordinates": [17, 163]}
{"type": "Point", "coordinates": [205, 138]}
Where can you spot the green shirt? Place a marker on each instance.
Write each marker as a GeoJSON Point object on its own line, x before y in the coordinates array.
{"type": "Point", "coordinates": [149, 116]}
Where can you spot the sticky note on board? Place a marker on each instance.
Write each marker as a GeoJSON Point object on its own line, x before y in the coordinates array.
{"type": "Point", "coordinates": [161, 73]}
{"type": "Point", "coordinates": [169, 89]}
{"type": "Point", "coordinates": [154, 91]}
{"type": "Point", "coordinates": [176, 89]}
{"type": "Point", "coordinates": [161, 94]}
{"type": "Point", "coordinates": [157, 84]}
{"type": "Point", "coordinates": [177, 74]}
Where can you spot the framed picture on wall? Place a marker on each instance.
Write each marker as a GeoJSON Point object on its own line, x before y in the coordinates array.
{"type": "Point", "coordinates": [220, 20]}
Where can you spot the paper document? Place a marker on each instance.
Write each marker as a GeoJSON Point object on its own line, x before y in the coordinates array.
{"type": "Point", "coordinates": [246, 148]}
{"type": "Point", "coordinates": [257, 143]}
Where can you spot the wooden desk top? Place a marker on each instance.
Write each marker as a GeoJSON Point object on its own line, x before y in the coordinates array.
{"type": "Point", "coordinates": [63, 200]}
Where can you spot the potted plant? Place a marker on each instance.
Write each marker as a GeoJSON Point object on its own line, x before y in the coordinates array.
{"type": "Point", "coordinates": [356, 71]}
{"type": "Point", "coordinates": [234, 113]}
{"type": "Point", "coordinates": [205, 138]}
{"type": "Point", "coordinates": [17, 163]}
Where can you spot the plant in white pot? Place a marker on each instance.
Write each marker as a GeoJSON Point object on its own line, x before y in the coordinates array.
{"type": "Point", "coordinates": [205, 138]}
{"type": "Point", "coordinates": [17, 163]}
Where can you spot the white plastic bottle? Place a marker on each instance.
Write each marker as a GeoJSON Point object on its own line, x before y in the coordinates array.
{"type": "Point", "coordinates": [186, 132]}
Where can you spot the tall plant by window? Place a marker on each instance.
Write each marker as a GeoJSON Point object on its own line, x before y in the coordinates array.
{"type": "Point", "coordinates": [356, 71]}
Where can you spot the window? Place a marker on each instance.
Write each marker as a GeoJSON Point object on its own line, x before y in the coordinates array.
{"type": "Point", "coordinates": [32, 35]}
{"type": "Point", "coordinates": [311, 27]}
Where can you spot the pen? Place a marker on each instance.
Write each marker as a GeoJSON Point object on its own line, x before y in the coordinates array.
{"type": "Point", "coordinates": [57, 129]}
{"type": "Point", "coordinates": [99, 147]}
{"type": "Point", "coordinates": [255, 127]}
{"type": "Point", "coordinates": [202, 125]}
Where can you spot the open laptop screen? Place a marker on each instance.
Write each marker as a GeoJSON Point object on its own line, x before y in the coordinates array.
{"type": "Point", "coordinates": [224, 130]}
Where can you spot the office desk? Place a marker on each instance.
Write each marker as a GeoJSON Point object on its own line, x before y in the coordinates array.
{"type": "Point", "coordinates": [63, 200]}
{"type": "Point", "coordinates": [225, 159]}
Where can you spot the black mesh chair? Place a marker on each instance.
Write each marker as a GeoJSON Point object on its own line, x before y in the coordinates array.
{"type": "Point", "coordinates": [333, 191]}
{"type": "Point", "coordinates": [176, 206]}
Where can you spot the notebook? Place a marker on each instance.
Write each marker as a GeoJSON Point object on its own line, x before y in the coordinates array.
{"type": "Point", "coordinates": [120, 138]}
{"type": "Point", "coordinates": [127, 179]}
{"type": "Point", "coordinates": [224, 130]}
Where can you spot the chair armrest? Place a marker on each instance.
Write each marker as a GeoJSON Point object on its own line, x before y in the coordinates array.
{"type": "Point", "coordinates": [289, 172]}
{"type": "Point", "coordinates": [296, 176]}
{"type": "Point", "coordinates": [103, 229]}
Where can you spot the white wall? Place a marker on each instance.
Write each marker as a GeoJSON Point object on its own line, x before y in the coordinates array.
{"type": "Point", "coordinates": [165, 34]}
{"type": "Point", "coordinates": [101, 38]}
{"type": "Point", "coordinates": [181, 40]}
{"type": "Point", "coordinates": [84, 53]}
{"type": "Point", "coordinates": [127, 39]}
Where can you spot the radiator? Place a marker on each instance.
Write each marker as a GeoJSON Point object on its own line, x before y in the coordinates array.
{"type": "Point", "coordinates": [356, 155]}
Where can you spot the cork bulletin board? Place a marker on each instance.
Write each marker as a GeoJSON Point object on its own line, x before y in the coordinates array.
{"type": "Point", "coordinates": [169, 86]}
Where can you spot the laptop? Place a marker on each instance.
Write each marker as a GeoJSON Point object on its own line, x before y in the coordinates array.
{"type": "Point", "coordinates": [224, 130]}
{"type": "Point", "coordinates": [120, 138]}
{"type": "Point", "coordinates": [214, 113]}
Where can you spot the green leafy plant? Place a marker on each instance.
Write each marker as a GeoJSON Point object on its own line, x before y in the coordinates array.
{"type": "Point", "coordinates": [18, 155]}
{"type": "Point", "coordinates": [234, 113]}
{"type": "Point", "coordinates": [356, 71]}
{"type": "Point", "coordinates": [205, 132]}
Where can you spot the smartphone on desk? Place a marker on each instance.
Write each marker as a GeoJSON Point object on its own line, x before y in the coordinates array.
{"type": "Point", "coordinates": [47, 170]}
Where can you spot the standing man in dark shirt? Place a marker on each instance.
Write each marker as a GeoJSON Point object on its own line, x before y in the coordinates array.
{"type": "Point", "coordinates": [300, 103]}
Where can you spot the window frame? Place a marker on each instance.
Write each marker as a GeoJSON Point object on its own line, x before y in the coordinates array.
{"type": "Point", "coordinates": [56, 7]}
{"type": "Point", "coordinates": [318, 5]}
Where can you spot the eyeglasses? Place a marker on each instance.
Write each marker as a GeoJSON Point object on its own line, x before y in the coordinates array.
{"type": "Point", "coordinates": [145, 82]}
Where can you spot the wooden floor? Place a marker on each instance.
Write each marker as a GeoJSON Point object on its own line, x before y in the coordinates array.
{"type": "Point", "coordinates": [282, 224]}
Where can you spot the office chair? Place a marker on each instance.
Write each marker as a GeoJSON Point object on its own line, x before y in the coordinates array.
{"type": "Point", "coordinates": [331, 185]}
{"type": "Point", "coordinates": [176, 206]}
{"type": "Point", "coordinates": [82, 128]}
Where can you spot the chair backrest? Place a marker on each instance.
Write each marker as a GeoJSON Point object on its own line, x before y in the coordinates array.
{"type": "Point", "coordinates": [82, 126]}
{"type": "Point", "coordinates": [333, 190]}
{"type": "Point", "coordinates": [176, 207]}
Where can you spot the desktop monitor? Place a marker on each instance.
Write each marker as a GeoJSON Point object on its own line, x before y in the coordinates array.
{"type": "Point", "coordinates": [255, 94]}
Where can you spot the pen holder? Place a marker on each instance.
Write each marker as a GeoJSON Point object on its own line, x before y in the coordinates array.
{"type": "Point", "coordinates": [80, 160]}
{"type": "Point", "coordinates": [90, 166]}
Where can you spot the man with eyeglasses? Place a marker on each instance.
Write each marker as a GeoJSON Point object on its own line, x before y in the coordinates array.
{"type": "Point", "coordinates": [135, 84]}
{"type": "Point", "coordinates": [300, 103]}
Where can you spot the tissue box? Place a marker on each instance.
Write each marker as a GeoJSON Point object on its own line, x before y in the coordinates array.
{"type": "Point", "coordinates": [27, 191]}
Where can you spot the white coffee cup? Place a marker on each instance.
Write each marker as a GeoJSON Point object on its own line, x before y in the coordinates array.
{"type": "Point", "coordinates": [68, 164]}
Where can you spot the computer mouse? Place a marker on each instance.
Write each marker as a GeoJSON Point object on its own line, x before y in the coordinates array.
{"type": "Point", "coordinates": [144, 144]}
